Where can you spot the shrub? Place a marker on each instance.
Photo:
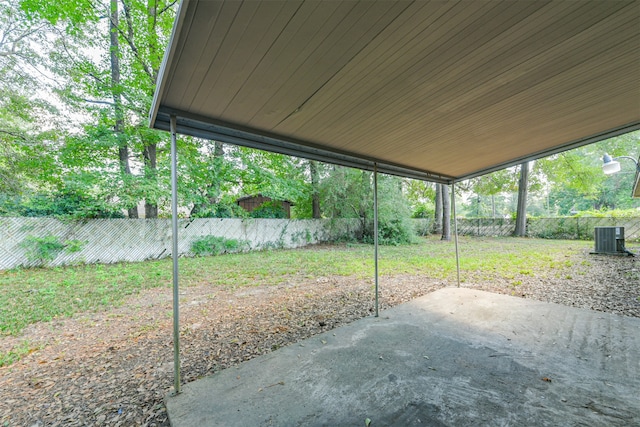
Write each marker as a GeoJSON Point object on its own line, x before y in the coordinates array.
{"type": "Point", "coordinates": [46, 249]}
{"type": "Point", "coordinates": [270, 209]}
{"type": "Point", "coordinates": [214, 245]}
{"type": "Point", "coordinates": [42, 249]}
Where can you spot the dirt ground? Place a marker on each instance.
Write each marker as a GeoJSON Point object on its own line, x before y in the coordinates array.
{"type": "Point", "coordinates": [115, 367]}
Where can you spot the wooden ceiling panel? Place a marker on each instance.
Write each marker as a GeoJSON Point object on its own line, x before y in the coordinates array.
{"type": "Point", "coordinates": [428, 100]}
{"type": "Point", "coordinates": [449, 89]}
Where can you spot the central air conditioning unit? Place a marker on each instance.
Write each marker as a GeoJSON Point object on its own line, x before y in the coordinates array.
{"type": "Point", "coordinates": [610, 240]}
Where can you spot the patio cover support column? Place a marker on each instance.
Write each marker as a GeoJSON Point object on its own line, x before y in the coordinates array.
{"type": "Point", "coordinates": [174, 255]}
{"type": "Point", "coordinates": [375, 228]}
{"type": "Point", "coordinates": [455, 229]}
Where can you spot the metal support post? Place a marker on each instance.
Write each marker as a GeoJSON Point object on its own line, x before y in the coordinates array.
{"type": "Point", "coordinates": [174, 254]}
{"type": "Point", "coordinates": [455, 229]}
{"type": "Point", "coordinates": [375, 228]}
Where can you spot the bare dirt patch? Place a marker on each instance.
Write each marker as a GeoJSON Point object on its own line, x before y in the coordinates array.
{"type": "Point", "coordinates": [115, 367]}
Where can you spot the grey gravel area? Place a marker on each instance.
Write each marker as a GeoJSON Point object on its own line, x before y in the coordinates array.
{"type": "Point", "coordinates": [115, 368]}
{"type": "Point", "coordinates": [609, 283]}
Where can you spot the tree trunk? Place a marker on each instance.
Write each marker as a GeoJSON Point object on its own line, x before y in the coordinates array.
{"type": "Point", "coordinates": [446, 213]}
{"type": "Point", "coordinates": [123, 149]}
{"type": "Point", "coordinates": [521, 211]}
{"type": "Point", "coordinates": [211, 191]}
{"type": "Point", "coordinates": [315, 192]}
{"type": "Point", "coordinates": [437, 224]}
{"type": "Point", "coordinates": [150, 174]}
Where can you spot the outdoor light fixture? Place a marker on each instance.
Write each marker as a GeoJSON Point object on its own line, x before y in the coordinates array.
{"type": "Point", "coordinates": [610, 165]}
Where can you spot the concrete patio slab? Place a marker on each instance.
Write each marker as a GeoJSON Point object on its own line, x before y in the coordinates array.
{"type": "Point", "coordinates": [455, 357]}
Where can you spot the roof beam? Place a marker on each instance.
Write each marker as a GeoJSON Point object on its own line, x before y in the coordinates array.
{"type": "Point", "coordinates": [201, 127]}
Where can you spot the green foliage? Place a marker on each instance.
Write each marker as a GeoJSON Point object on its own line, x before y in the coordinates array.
{"type": "Point", "coordinates": [73, 246]}
{"type": "Point", "coordinates": [424, 210]}
{"type": "Point", "coordinates": [558, 228]}
{"type": "Point", "coordinates": [45, 249]}
{"type": "Point", "coordinates": [613, 213]}
{"type": "Point", "coordinates": [348, 193]}
{"type": "Point", "coordinates": [65, 205]}
{"type": "Point", "coordinates": [42, 249]}
{"type": "Point", "coordinates": [214, 245]}
{"type": "Point", "coordinates": [270, 209]}
{"type": "Point", "coordinates": [223, 209]}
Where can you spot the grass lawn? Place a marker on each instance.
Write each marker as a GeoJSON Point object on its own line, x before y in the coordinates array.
{"type": "Point", "coordinates": [41, 294]}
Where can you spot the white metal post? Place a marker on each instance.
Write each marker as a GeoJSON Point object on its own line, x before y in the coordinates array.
{"type": "Point", "coordinates": [455, 228]}
{"type": "Point", "coordinates": [174, 254]}
{"type": "Point", "coordinates": [375, 228]}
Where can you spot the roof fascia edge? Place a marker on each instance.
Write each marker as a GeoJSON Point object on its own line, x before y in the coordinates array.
{"type": "Point", "coordinates": [168, 57]}
{"type": "Point", "coordinates": [189, 124]}
{"type": "Point", "coordinates": [621, 130]}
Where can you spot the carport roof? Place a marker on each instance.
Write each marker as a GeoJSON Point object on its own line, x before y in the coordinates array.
{"type": "Point", "coordinates": [435, 90]}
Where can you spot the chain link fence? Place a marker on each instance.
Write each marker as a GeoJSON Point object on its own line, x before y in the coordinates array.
{"type": "Point", "coordinates": [571, 228]}
{"type": "Point", "coordinates": [30, 242]}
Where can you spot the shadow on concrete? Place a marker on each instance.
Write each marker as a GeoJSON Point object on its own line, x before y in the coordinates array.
{"type": "Point", "coordinates": [455, 357]}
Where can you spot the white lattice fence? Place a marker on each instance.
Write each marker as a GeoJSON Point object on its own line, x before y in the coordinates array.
{"type": "Point", "coordinates": [115, 240]}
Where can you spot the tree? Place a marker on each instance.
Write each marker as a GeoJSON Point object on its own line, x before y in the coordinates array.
{"type": "Point", "coordinates": [206, 175]}
{"type": "Point", "coordinates": [118, 127]}
{"type": "Point", "coordinates": [438, 214]}
{"type": "Point", "coordinates": [348, 193]}
{"type": "Point", "coordinates": [521, 213]}
{"type": "Point", "coordinates": [446, 213]}
{"type": "Point", "coordinates": [315, 189]}
{"type": "Point", "coordinates": [116, 92]}
{"type": "Point", "coordinates": [576, 182]}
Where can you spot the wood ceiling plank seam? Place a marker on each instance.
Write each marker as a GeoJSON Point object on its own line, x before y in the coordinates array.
{"type": "Point", "coordinates": [177, 45]}
{"type": "Point", "coordinates": [547, 128]}
{"type": "Point", "coordinates": [362, 27]}
{"type": "Point", "coordinates": [238, 66]}
{"type": "Point", "coordinates": [360, 66]}
{"type": "Point", "coordinates": [370, 66]}
{"type": "Point", "coordinates": [271, 42]}
{"type": "Point", "coordinates": [575, 80]}
{"type": "Point", "coordinates": [487, 61]}
{"type": "Point", "coordinates": [192, 53]}
{"type": "Point", "coordinates": [516, 59]}
{"type": "Point", "coordinates": [390, 67]}
{"type": "Point", "coordinates": [601, 40]}
{"type": "Point", "coordinates": [466, 130]}
{"type": "Point", "coordinates": [595, 37]}
{"type": "Point", "coordinates": [556, 70]}
{"type": "Point", "coordinates": [446, 57]}
{"type": "Point", "coordinates": [535, 119]}
{"type": "Point", "coordinates": [354, 110]}
{"type": "Point", "coordinates": [524, 120]}
{"type": "Point", "coordinates": [280, 69]}
{"type": "Point", "coordinates": [600, 136]}
{"type": "Point", "coordinates": [280, 72]}
{"type": "Point", "coordinates": [217, 33]}
{"type": "Point", "coordinates": [544, 139]}
{"type": "Point", "coordinates": [505, 151]}
{"type": "Point", "coordinates": [391, 102]}
{"type": "Point", "coordinates": [308, 85]}
{"type": "Point", "coordinates": [277, 45]}
{"type": "Point", "coordinates": [577, 119]}
{"type": "Point", "coordinates": [583, 102]}
{"type": "Point", "coordinates": [230, 45]}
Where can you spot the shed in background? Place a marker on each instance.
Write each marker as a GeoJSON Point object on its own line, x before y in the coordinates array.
{"type": "Point", "coordinates": [251, 203]}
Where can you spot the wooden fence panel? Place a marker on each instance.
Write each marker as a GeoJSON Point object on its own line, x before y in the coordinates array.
{"type": "Point", "coordinates": [117, 240]}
